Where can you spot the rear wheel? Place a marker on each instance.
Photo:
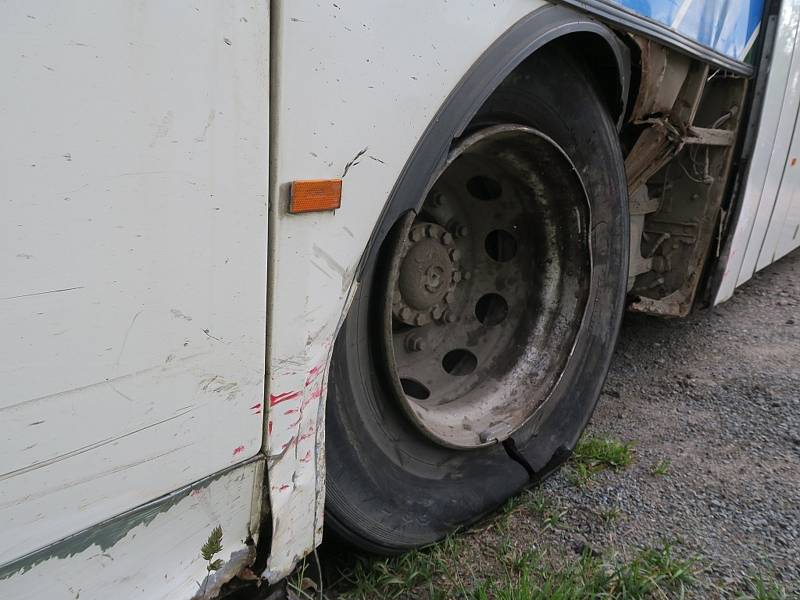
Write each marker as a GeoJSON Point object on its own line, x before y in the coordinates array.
{"type": "Point", "coordinates": [491, 313]}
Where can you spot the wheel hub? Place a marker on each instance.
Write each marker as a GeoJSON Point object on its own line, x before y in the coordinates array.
{"type": "Point", "coordinates": [428, 274]}
{"type": "Point", "coordinates": [486, 288]}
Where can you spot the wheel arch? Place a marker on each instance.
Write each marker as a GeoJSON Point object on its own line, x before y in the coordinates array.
{"type": "Point", "coordinates": [580, 35]}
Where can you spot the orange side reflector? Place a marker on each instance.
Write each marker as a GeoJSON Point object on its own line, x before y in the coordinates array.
{"type": "Point", "coordinates": [315, 195]}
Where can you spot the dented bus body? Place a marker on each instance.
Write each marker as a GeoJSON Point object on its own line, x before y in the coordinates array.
{"type": "Point", "coordinates": [173, 329]}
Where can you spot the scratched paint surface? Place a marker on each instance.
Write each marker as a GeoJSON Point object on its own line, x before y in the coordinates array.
{"type": "Point", "coordinates": [153, 554]}
{"type": "Point", "coordinates": [384, 73]}
{"type": "Point", "coordinates": [133, 253]}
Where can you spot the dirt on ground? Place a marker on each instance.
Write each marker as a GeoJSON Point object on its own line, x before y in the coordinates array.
{"type": "Point", "coordinates": [718, 396]}
{"type": "Point", "coordinates": [711, 404]}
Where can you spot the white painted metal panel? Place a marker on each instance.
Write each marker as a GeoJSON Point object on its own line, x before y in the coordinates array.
{"type": "Point", "coordinates": [789, 236]}
{"type": "Point", "coordinates": [351, 77]}
{"type": "Point", "coordinates": [152, 554]}
{"type": "Point", "coordinates": [776, 127]}
{"type": "Point", "coordinates": [788, 198]}
{"type": "Point", "coordinates": [133, 180]}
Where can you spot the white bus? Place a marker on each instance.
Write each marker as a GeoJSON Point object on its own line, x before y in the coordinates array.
{"type": "Point", "coordinates": [273, 265]}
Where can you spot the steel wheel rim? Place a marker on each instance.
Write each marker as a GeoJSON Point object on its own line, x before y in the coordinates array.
{"type": "Point", "coordinates": [486, 289]}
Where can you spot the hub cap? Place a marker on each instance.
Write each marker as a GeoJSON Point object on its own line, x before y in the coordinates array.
{"type": "Point", "coordinates": [428, 274]}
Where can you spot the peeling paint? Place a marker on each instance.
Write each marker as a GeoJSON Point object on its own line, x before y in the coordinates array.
{"type": "Point", "coordinates": [117, 555]}
{"type": "Point", "coordinates": [105, 535]}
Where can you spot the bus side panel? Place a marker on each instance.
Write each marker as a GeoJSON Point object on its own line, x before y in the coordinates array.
{"type": "Point", "coordinates": [133, 176]}
{"type": "Point", "coordinates": [152, 553]}
{"type": "Point", "coordinates": [789, 235]}
{"type": "Point", "coordinates": [771, 160]}
{"type": "Point", "coordinates": [783, 233]}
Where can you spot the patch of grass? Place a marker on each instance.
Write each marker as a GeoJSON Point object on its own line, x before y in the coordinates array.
{"type": "Point", "coordinates": [553, 518]}
{"type": "Point", "coordinates": [594, 454]}
{"type": "Point", "coordinates": [661, 468]}
{"type": "Point", "coordinates": [597, 454]}
{"type": "Point", "coordinates": [534, 501]}
{"type": "Point", "coordinates": [538, 502]}
{"type": "Point", "coordinates": [580, 474]}
{"type": "Point", "coordinates": [503, 519]}
{"type": "Point", "coordinates": [395, 577]}
{"type": "Point", "coordinates": [301, 586]}
{"type": "Point", "coordinates": [653, 573]}
{"type": "Point", "coordinates": [761, 588]}
{"type": "Point", "coordinates": [612, 515]}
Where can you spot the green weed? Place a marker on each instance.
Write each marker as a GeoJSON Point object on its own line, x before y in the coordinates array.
{"type": "Point", "coordinates": [661, 468]}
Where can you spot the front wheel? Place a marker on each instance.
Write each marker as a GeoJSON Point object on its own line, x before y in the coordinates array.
{"type": "Point", "coordinates": [490, 313]}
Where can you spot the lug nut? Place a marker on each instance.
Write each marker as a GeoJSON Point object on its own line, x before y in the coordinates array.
{"type": "Point", "coordinates": [455, 254]}
{"type": "Point", "coordinates": [447, 238]}
{"type": "Point", "coordinates": [419, 320]}
{"type": "Point", "coordinates": [415, 343]}
{"type": "Point", "coordinates": [436, 312]}
{"type": "Point", "coordinates": [450, 316]}
{"type": "Point", "coordinates": [456, 276]}
{"type": "Point", "coordinates": [449, 297]}
{"type": "Point", "coordinates": [405, 313]}
{"type": "Point", "coordinates": [457, 228]}
{"type": "Point", "coordinates": [416, 234]}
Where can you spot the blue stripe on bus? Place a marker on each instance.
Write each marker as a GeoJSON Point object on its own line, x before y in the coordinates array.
{"type": "Point", "coordinates": [722, 25]}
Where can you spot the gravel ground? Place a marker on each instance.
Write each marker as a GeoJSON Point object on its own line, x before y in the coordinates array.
{"type": "Point", "coordinates": [716, 398]}
{"type": "Point", "coordinates": [717, 395]}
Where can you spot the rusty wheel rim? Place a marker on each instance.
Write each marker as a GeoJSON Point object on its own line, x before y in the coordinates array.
{"type": "Point", "coordinates": [487, 287]}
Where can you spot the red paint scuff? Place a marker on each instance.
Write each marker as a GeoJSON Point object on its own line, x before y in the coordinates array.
{"type": "Point", "coordinates": [277, 399]}
{"type": "Point", "coordinates": [313, 373]}
{"type": "Point", "coordinates": [238, 450]}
